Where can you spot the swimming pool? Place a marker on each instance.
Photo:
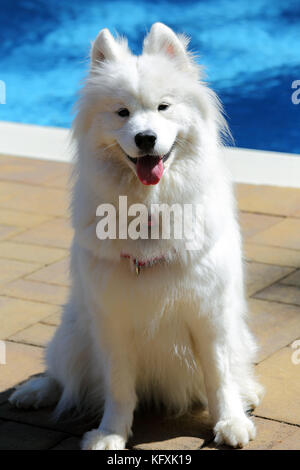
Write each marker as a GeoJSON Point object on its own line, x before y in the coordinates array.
{"type": "Point", "coordinates": [251, 51]}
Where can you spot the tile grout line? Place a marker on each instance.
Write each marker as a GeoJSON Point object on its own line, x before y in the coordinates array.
{"type": "Point", "coordinates": [31, 300]}
{"type": "Point", "coordinates": [276, 420]}
{"type": "Point", "coordinates": [273, 283]}
{"type": "Point", "coordinates": [249, 260]}
{"type": "Point", "coordinates": [10, 340]}
{"type": "Point", "coordinates": [276, 301]}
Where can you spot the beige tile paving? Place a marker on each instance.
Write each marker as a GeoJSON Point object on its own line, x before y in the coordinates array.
{"type": "Point", "coordinates": [53, 319]}
{"type": "Point", "coordinates": [254, 223]}
{"type": "Point", "coordinates": [273, 435]}
{"type": "Point", "coordinates": [272, 255]}
{"type": "Point", "coordinates": [293, 279]}
{"type": "Point", "coordinates": [17, 314]}
{"type": "Point", "coordinates": [259, 275]}
{"type": "Point", "coordinates": [55, 273]}
{"type": "Point", "coordinates": [22, 361]}
{"type": "Point", "coordinates": [12, 269]}
{"type": "Point", "coordinates": [55, 233]}
{"type": "Point", "coordinates": [38, 334]}
{"type": "Point", "coordinates": [296, 213]}
{"type": "Point", "coordinates": [30, 198]}
{"type": "Point", "coordinates": [281, 378]}
{"type": "Point", "coordinates": [281, 293]}
{"type": "Point", "coordinates": [34, 253]}
{"type": "Point", "coordinates": [21, 219]}
{"type": "Point", "coordinates": [35, 237]}
{"type": "Point", "coordinates": [8, 231]}
{"type": "Point", "coordinates": [271, 200]}
{"type": "Point", "coordinates": [275, 325]}
{"type": "Point", "coordinates": [34, 290]}
{"type": "Point", "coordinates": [7, 191]}
{"type": "Point", "coordinates": [29, 170]}
{"type": "Point", "coordinates": [63, 181]}
{"type": "Point", "coordinates": [286, 234]}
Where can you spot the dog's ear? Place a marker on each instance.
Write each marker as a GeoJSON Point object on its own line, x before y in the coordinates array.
{"type": "Point", "coordinates": [162, 39]}
{"type": "Point", "coordinates": [105, 47]}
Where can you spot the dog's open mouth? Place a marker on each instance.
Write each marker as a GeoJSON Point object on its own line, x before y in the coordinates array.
{"type": "Point", "coordinates": [150, 168]}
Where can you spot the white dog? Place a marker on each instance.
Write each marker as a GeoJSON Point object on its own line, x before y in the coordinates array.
{"type": "Point", "coordinates": [148, 128]}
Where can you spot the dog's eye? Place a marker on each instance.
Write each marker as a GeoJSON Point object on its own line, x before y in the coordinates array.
{"type": "Point", "coordinates": [163, 107]}
{"type": "Point", "coordinates": [123, 112]}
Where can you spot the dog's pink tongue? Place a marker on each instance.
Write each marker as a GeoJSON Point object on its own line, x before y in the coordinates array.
{"type": "Point", "coordinates": [149, 169]}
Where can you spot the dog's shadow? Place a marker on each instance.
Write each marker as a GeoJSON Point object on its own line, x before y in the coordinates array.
{"type": "Point", "coordinates": [152, 428]}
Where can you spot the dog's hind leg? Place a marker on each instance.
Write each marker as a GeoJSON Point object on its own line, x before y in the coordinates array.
{"type": "Point", "coordinates": [67, 364]}
{"type": "Point", "coordinates": [68, 358]}
{"type": "Point", "coordinates": [36, 393]}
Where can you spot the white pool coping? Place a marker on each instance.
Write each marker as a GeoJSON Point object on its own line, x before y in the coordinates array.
{"type": "Point", "coordinates": [246, 165]}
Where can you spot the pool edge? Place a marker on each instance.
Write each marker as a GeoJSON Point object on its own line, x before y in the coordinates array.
{"type": "Point", "coordinates": [245, 165]}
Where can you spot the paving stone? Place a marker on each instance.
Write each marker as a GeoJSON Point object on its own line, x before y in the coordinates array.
{"type": "Point", "coordinates": [31, 170]}
{"type": "Point", "coordinates": [17, 436]}
{"type": "Point", "coordinates": [274, 325]}
{"type": "Point", "coordinates": [7, 191]}
{"type": "Point", "coordinates": [281, 379]}
{"type": "Point", "coordinates": [17, 314]}
{"type": "Point", "coordinates": [280, 293]}
{"type": "Point", "coordinates": [38, 334]}
{"type": "Point", "coordinates": [292, 280]}
{"type": "Point", "coordinates": [284, 234]}
{"type": "Point", "coordinates": [56, 273]}
{"type": "Point", "coordinates": [53, 319]}
{"type": "Point", "coordinates": [154, 431]}
{"type": "Point", "coordinates": [271, 435]}
{"type": "Point", "coordinates": [268, 199]}
{"type": "Point", "coordinates": [243, 192]}
{"type": "Point", "coordinates": [35, 253]}
{"type": "Point", "coordinates": [21, 362]}
{"type": "Point", "coordinates": [254, 223]}
{"type": "Point", "coordinates": [272, 255]}
{"type": "Point", "coordinates": [296, 214]}
{"type": "Point", "coordinates": [63, 180]}
{"type": "Point", "coordinates": [41, 200]}
{"type": "Point", "coordinates": [55, 233]}
{"type": "Point", "coordinates": [21, 219]}
{"type": "Point", "coordinates": [13, 269]}
{"type": "Point", "coordinates": [259, 275]}
{"type": "Point", "coordinates": [34, 290]}
{"type": "Point", "coordinates": [8, 231]}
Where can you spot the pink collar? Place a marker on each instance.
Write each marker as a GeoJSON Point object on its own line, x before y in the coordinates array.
{"type": "Point", "coordinates": [142, 264]}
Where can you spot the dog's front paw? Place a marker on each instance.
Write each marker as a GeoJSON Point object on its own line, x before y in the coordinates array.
{"type": "Point", "coordinates": [101, 440]}
{"type": "Point", "coordinates": [235, 432]}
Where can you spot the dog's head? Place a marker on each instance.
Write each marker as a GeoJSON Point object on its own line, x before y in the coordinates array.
{"type": "Point", "coordinates": [143, 110]}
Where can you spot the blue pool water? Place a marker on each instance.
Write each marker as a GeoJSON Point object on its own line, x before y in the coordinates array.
{"type": "Point", "coordinates": [251, 50]}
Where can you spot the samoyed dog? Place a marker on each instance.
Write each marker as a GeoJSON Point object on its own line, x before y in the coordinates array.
{"type": "Point", "coordinates": [147, 318]}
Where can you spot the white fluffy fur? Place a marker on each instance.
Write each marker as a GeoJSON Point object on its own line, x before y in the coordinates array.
{"type": "Point", "coordinates": [177, 333]}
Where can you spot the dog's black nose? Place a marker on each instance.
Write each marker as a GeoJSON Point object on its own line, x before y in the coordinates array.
{"type": "Point", "coordinates": [145, 140]}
